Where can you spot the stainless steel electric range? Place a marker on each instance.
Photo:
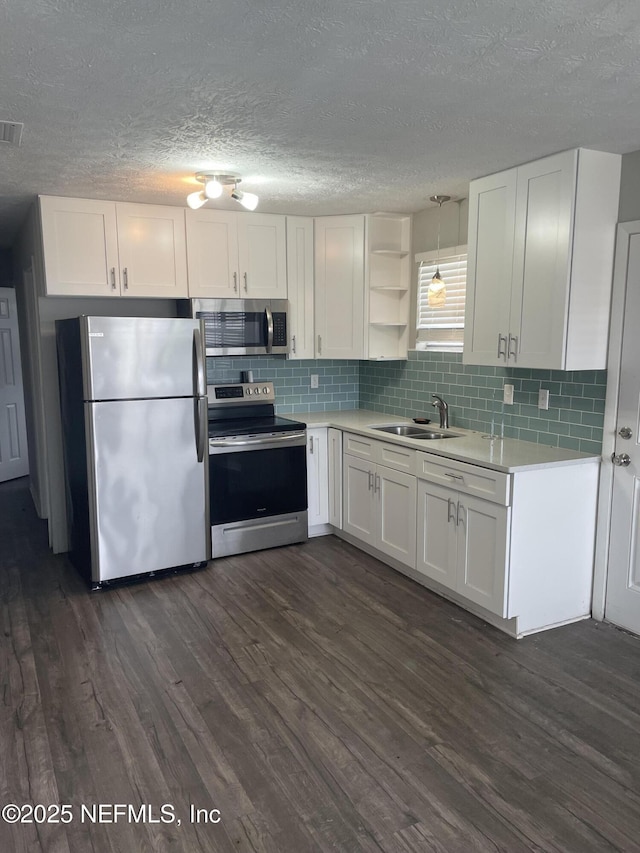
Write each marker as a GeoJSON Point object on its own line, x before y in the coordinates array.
{"type": "Point", "coordinates": [257, 471]}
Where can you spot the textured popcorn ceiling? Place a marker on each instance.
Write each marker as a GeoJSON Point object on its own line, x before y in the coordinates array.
{"type": "Point", "coordinates": [324, 106]}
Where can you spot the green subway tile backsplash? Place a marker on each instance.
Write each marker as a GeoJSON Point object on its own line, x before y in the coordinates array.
{"type": "Point", "coordinates": [576, 399]}
{"type": "Point", "coordinates": [338, 381]}
{"type": "Point", "coordinates": [403, 389]}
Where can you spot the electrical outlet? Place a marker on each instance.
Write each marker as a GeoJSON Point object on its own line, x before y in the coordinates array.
{"type": "Point", "coordinates": [508, 395]}
{"type": "Point", "coordinates": [543, 398]}
{"type": "Point", "coordinates": [314, 380]}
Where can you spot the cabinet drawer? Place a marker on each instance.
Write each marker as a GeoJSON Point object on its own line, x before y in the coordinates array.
{"type": "Point", "coordinates": [392, 455]}
{"type": "Point", "coordinates": [472, 479]}
{"type": "Point", "coordinates": [356, 445]}
{"type": "Point", "coordinates": [397, 457]}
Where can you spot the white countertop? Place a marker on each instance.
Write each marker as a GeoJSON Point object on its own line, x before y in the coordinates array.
{"type": "Point", "coordinates": [508, 454]}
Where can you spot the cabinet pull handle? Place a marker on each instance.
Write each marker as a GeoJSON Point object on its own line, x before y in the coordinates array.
{"type": "Point", "coordinates": [293, 344]}
{"type": "Point", "coordinates": [453, 476]}
{"type": "Point", "coordinates": [376, 487]}
{"type": "Point", "coordinates": [246, 286]}
{"type": "Point", "coordinates": [310, 444]}
{"type": "Point", "coordinates": [370, 480]}
{"type": "Point", "coordinates": [451, 517]}
{"type": "Point", "coordinates": [458, 519]}
{"type": "Point", "coordinates": [235, 282]}
{"type": "Point", "coordinates": [515, 350]}
{"type": "Point", "coordinates": [502, 354]}
{"type": "Point", "coordinates": [113, 278]}
{"type": "Point", "coordinates": [319, 345]}
{"type": "Point", "coordinates": [125, 278]}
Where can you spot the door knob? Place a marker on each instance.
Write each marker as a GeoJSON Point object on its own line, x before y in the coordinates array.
{"type": "Point", "coordinates": [623, 460]}
{"type": "Point", "coordinates": [624, 432]}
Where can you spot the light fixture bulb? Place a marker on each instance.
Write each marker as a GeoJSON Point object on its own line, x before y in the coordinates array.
{"type": "Point", "coordinates": [213, 188]}
{"type": "Point", "coordinates": [196, 199]}
{"type": "Point", "coordinates": [247, 200]}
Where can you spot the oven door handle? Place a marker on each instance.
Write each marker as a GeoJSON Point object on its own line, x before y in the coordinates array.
{"type": "Point", "coordinates": [292, 438]}
{"type": "Point", "coordinates": [269, 317]}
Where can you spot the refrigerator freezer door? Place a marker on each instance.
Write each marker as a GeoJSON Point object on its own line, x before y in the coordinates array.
{"type": "Point", "coordinates": [129, 358]}
{"type": "Point", "coordinates": [148, 492]}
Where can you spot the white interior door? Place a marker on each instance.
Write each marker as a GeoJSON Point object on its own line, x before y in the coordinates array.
{"type": "Point", "coordinates": [622, 604]}
{"type": "Point", "coordinates": [14, 460]}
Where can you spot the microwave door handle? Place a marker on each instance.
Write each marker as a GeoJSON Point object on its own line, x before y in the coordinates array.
{"type": "Point", "coordinates": [199, 380]}
{"type": "Point", "coordinates": [269, 317]}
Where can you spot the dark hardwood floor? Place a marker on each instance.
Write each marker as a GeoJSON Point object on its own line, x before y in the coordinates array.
{"type": "Point", "coordinates": [317, 699]}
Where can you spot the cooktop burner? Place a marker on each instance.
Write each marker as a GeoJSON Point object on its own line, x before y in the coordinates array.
{"type": "Point", "coordinates": [245, 409]}
{"type": "Point", "coordinates": [253, 426]}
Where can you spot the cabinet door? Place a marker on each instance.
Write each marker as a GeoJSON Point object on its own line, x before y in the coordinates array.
{"type": "Point", "coordinates": [80, 246]}
{"type": "Point", "coordinates": [483, 546]}
{"type": "Point", "coordinates": [542, 260]}
{"type": "Point", "coordinates": [317, 477]}
{"type": "Point", "coordinates": [339, 285]}
{"type": "Point", "coordinates": [212, 254]}
{"type": "Point", "coordinates": [492, 208]}
{"type": "Point", "coordinates": [262, 250]}
{"type": "Point", "coordinates": [358, 506]}
{"type": "Point", "coordinates": [335, 477]}
{"type": "Point", "coordinates": [152, 250]}
{"type": "Point", "coordinates": [395, 494]}
{"type": "Point", "coordinates": [300, 286]}
{"type": "Point", "coordinates": [437, 533]}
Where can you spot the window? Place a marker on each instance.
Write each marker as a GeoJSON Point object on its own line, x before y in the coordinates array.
{"type": "Point", "coordinates": [440, 316]}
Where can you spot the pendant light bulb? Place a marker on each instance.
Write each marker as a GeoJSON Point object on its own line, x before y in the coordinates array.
{"type": "Point", "coordinates": [196, 199]}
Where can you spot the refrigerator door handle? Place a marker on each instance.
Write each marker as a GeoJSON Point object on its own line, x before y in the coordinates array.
{"type": "Point", "coordinates": [201, 425]}
{"type": "Point", "coordinates": [199, 375]}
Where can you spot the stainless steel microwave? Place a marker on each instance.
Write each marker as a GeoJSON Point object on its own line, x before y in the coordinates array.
{"type": "Point", "coordinates": [243, 326]}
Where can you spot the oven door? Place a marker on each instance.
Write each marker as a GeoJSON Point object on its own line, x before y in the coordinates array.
{"type": "Point", "coordinates": [257, 477]}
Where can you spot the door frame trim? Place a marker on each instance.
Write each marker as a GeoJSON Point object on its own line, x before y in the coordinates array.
{"type": "Point", "coordinates": [624, 233]}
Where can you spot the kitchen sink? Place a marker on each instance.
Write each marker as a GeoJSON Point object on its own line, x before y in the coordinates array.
{"type": "Point", "coordinates": [414, 431]}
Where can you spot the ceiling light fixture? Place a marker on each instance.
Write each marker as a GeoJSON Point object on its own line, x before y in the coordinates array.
{"type": "Point", "coordinates": [437, 292]}
{"type": "Point", "coordinates": [214, 184]}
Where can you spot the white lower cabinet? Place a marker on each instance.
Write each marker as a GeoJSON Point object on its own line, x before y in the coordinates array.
{"type": "Point", "coordinates": [324, 480]}
{"type": "Point", "coordinates": [379, 501]}
{"type": "Point", "coordinates": [317, 477]}
{"type": "Point", "coordinates": [516, 548]}
{"type": "Point", "coordinates": [462, 544]}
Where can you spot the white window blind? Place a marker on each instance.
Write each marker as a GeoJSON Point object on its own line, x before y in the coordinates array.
{"type": "Point", "coordinates": [440, 316]}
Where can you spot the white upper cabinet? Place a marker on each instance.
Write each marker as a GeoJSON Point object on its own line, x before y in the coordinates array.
{"type": "Point", "coordinates": [236, 255]}
{"type": "Point", "coordinates": [100, 248]}
{"type": "Point", "coordinates": [152, 250]}
{"type": "Point", "coordinates": [80, 245]}
{"type": "Point", "coordinates": [262, 249]}
{"type": "Point", "coordinates": [339, 287]}
{"type": "Point", "coordinates": [212, 254]}
{"type": "Point", "coordinates": [541, 241]}
{"type": "Point", "coordinates": [300, 280]}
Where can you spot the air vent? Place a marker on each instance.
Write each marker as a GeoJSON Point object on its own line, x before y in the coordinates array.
{"type": "Point", "coordinates": [11, 132]}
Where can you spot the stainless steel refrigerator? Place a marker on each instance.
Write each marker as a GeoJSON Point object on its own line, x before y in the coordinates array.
{"type": "Point", "coordinates": [134, 418]}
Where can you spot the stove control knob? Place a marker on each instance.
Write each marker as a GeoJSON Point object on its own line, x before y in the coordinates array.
{"type": "Point", "coordinates": [265, 390]}
{"type": "Point", "coordinates": [248, 390]}
{"type": "Point", "coordinates": [257, 391]}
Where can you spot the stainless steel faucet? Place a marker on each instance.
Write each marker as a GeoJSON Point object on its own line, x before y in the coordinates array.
{"type": "Point", "coordinates": [443, 409]}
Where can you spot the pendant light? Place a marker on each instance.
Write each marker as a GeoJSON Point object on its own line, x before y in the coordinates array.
{"type": "Point", "coordinates": [437, 291]}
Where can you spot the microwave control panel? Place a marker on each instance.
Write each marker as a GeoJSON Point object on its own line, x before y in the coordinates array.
{"type": "Point", "coordinates": [279, 329]}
